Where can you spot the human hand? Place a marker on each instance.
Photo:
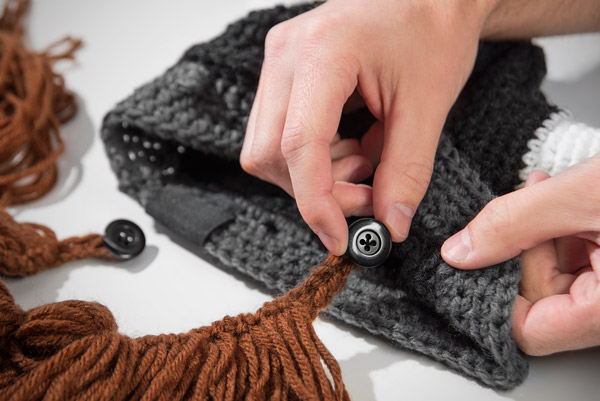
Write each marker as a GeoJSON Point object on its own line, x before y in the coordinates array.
{"type": "Point", "coordinates": [406, 60]}
{"type": "Point", "coordinates": [556, 222]}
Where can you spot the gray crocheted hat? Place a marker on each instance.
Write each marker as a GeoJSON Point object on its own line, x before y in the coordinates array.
{"type": "Point", "coordinates": [174, 145]}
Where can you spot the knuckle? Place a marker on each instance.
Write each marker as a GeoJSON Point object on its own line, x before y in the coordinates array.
{"type": "Point", "coordinates": [249, 164]}
{"type": "Point", "coordinates": [292, 141]}
{"type": "Point", "coordinates": [311, 214]}
{"type": "Point", "coordinates": [319, 45]}
{"type": "Point", "coordinates": [317, 30]}
{"type": "Point", "coordinates": [495, 217]}
{"type": "Point", "coordinates": [258, 162]}
{"type": "Point", "coordinates": [276, 40]}
{"type": "Point", "coordinates": [416, 175]}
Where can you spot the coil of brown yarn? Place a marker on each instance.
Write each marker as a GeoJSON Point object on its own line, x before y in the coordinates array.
{"type": "Point", "coordinates": [72, 350]}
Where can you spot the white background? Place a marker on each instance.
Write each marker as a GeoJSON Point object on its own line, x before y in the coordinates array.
{"type": "Point", "coordinates": [168, 288]}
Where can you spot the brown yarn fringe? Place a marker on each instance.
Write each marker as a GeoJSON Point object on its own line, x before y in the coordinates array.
{"type": "Point", "coordinates": [72, 350]}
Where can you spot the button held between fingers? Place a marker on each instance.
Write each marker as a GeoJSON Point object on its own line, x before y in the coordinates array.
{"type": "Point", "coordinates": [369, 242]}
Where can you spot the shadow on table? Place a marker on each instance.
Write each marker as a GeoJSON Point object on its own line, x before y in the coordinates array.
{"type": "Point", "coordinates": [581, 95]}
{"type": "Point", "coordinates": [194, 248]}
{"type": "Point", "coordinates": [78, 135]}
{"type": "Point", "coordinates": [43, 287]}
{"type": "Point", "coordinates": [565, 376]}
{"type": "Point", "coordinates": [356, 369]}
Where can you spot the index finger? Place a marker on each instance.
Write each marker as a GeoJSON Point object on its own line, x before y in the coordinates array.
{"type": "Point", "coordinates": [318, 95]}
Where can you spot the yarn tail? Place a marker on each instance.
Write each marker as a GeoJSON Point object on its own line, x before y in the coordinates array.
{"type": "Point", "coordinates": [273, 354]}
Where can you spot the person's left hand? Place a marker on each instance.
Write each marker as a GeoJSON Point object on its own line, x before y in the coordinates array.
{"type": "Point", "coordinates": [556, 222]}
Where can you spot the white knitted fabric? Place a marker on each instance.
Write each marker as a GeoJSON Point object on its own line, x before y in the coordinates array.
{"type": "Point", "coordinates": [558, 144]}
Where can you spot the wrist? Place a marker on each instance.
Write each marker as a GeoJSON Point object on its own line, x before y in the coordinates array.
{"type": "Point", "coordinates": [517, 19]}
{"type": "Point", "coordinates": [477, 12]}
{"type": "Point", "coordinates": [494, 22]}
{"type": "Point", "coordinates": [489, 18]}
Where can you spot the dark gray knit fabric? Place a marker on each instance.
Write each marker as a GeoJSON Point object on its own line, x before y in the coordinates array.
{"type": "Point", "coordinates": [174, 145]}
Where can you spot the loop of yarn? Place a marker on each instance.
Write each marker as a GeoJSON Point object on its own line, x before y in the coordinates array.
{"type": "Point", "coordinates": [27, 248]}
{"type": "Point", "coordinates": [71, 350]}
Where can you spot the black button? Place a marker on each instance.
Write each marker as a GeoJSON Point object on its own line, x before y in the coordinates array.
{"type": "Point", "coordinates": [124, 239]}
{"type": "Point", "coordinates": [369, 242]}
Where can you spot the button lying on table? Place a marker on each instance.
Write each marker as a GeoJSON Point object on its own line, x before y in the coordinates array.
{"type": "Point", "coordinates": [124, 239]}
{"type": "Point", "coordinates": [369, 242]}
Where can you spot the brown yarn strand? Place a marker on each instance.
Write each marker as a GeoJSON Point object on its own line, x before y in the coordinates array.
{"type": "Point", "coordinates": [27, 248]}
{"type": "Point", "coordinates": [33, 104]}
{"type": "Point", "coordinates": [72, 350]}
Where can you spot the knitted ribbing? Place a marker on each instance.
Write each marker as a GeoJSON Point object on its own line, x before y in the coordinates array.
{"type": "Point", "coordinates": [174, 145]}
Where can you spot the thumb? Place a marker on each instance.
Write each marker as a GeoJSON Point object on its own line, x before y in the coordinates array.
{"type": "Point", "coordinates": [552, 208]}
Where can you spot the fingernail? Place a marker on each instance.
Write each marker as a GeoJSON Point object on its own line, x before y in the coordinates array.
{"type": "Point", "coordinates": [363, 211]}
{"type": "Point", "coordinates": [457, 247]}
{"type": "Point", "coordinates": [330, 243]}
{"type": "Point", "coordinates": [399, 218]}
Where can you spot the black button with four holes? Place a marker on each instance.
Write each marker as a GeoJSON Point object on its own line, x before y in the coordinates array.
{"type": "Point", "coordinates": [124, 239]}
{"type": "Point", "coordinates": [369, 242]}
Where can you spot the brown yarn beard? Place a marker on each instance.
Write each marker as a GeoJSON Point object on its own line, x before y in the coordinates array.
{"type": "Point", "coordinates": [72, 350]}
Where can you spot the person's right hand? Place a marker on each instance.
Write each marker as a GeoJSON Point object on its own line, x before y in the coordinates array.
{"type": "Point", "coordinates": [407, 60]}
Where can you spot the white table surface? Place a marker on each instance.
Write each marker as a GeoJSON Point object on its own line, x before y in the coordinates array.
{"type": "Point", "coordinates": [168, 288]}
